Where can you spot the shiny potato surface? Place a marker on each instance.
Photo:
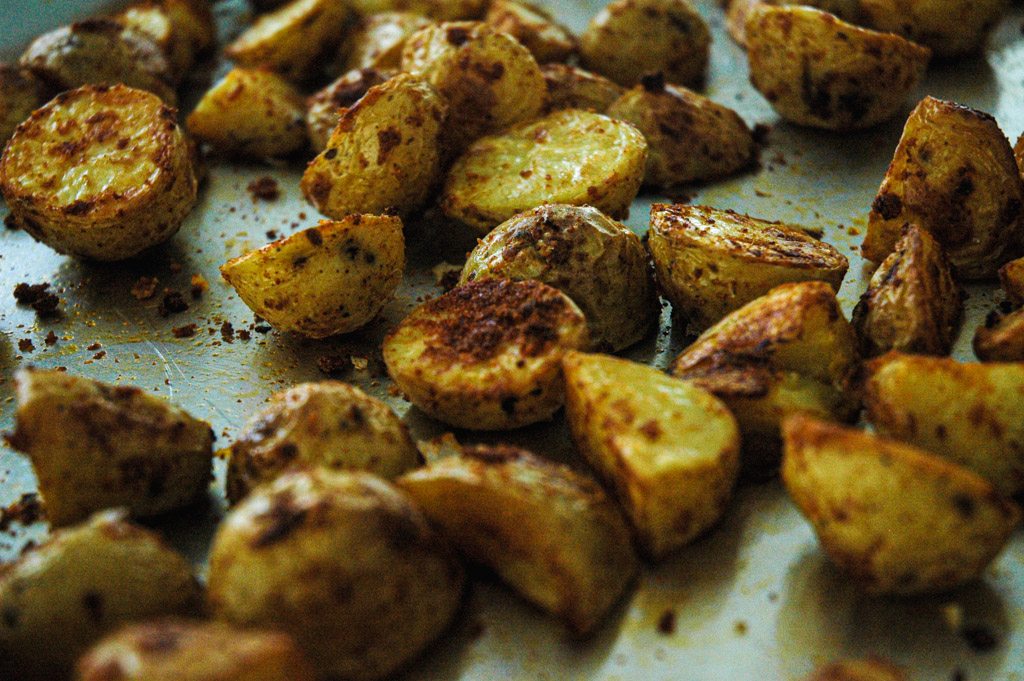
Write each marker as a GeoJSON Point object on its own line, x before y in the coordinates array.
{"type": "Point", "coordinates": [951, 28]}
{"type": "Point", "coordinates": [570, 87]}
{"type": "Point", "coordinates": [1011, 276]}
{"type": "Point", "coordinates": [323, 108]}
{"type": "Point", "coordinates": [1001, 338]}
{"type": "Point", "coordinates": [21, 93]}
{"type": "Point", "coordinates": [546, 39]}
{"type": "Point", "coordinates": [378, 40]}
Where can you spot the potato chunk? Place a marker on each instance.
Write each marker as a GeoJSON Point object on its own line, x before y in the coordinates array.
{"type": "Point", "coordinates": [569, 156]}
{"type": "Point", "coordinates": [154, 21]}
{"type": "Point", "coordinates": [897, 519]}
{"type": "Point", "coordinates": [819, 71]}
{"type": "Point", "coordinates": [100, 172]}
{"type": "Point", "coordinates": [532, 26]}
{"type": "Point", "coordinates": [487, 355]}
{"type": "Point", "coordinates": [949, 27]}
{"type": "Point", "coordinates": [711, 262]}
{"type": "Point", "coordinates": [597, 262]}
{"type": "Point", "coordinates": [1011, 276]}
{"type": "Point", "coordinates": [570, 87]}
{"type": "Point", "coordinates": [324, 108]}
{"type": "Point", "coordinates": [21, 93]}
{"type": "Point", "coordinates": [325, 280]}
{"type": "Point", "coordinates": [739, 11]}
{"type": "Point", "coordinates": [953, 174]}
{"type": "Point", "coordinates": [550, 533]}
{"type": "Point", "coordinates": [669, 449]}
{"type": "Point", "coordinates": [1001, 338]}
{"type": "Point", "coordinates": [379, 39]}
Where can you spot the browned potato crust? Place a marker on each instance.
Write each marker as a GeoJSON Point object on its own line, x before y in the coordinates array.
{"type": "Point", "coordinates": [1011, 276]}
{"type": "Point", "coordinates": [323, 109]}
{"type": "Point", "coordinates": [534, 27]}
{"type": "Point", "coordinates": [570, 87]}
{"type": "Point", "coordinates": [1001, 338]}
{"type": "Point", "coordinates": [379, 39]}
{"type": "Point", "coordinates": [21, 93]}
{"type": "Point", "coordinates": [949, 27]}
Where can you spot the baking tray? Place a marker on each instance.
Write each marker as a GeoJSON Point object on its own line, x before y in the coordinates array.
{"type": "Point", "coordinates": [755, 599]}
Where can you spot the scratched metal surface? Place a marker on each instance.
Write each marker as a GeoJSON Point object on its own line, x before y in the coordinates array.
{"type": "Point", "coordinates": [754, 600]}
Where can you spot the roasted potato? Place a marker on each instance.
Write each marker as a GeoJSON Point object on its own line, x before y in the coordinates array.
{"type": "Point", "coordinates": [182, 650]}
{"type": "Point", "coordinates": [739, 11]}
{"type": "Point", "coordinates": [912, 303]}
{"type": "Point", "coordinates": [153, 20]}
{"type": "Point", "coordinates": [343, 562]}
{"type": "Point", "coordinates": [950, 28]}
{"type": "Point", "coordinates": [597, 262]}
{"type": "Point", "coordinates": [691, 138]}
{"type": "Point", "coordinates": [629, 39]}
{"type": "Point", "coordinates": [379, 39]}
{"type": "Point", "coordinates": [21, 93]}
{"type": "Point", "coordinates": [1001, 338]}
{"type": "Point", "coordinates": [1011, 276]}
{"type": "Point", "coordinates": [896, 518]}
{"type": "Point", "coordinates": [193, 22]}
{"type": "Point", "coordinates": [570, 156]}
{"type": "Point", "coordinates": [487, 355]}
{"type": "Point", "coordinates": [570, 87]}
{"type": "Point", "coordinates": [820, 71]}
{"type": "Point", "coordinates": [250, 112]}
{"type": "Point", "coordinates": [85, 581]}
{"type": "Point", "coordinates": [325, 280]}
{"type": "Point", "coordinates": [669, 449]}
{"type": "Point", "coordinates": [868, 669]}
{"type": "Point", "coordinates": [319, 424]}
{"type": "Point", "coordinates": [100, 172]}
{"type": "Point", "coordinates": [323, 109]}
{"type": "Point", "coordinates": [439, 10]}
{"type": "Point", "coordinates": [532, 26]}
{"type": "Point", "coordinates": [550, 533]}
{"type": "Point", "coordinates": [968, 413]}
{"type": "Point", "coordinates": [711, 262]}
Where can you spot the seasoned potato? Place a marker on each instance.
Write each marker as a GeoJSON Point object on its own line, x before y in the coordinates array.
{"type": "Point", "coordinates": [82, 583]}
{"type": "Point", "coordinates": [193, 22]}
{"type": "Point", "coordinates": [739, 11]}
{"type": "Point", "coordinates": [21, 93]}
{"type": "Point", "coordinates": [439, 10]}
{"type": "Point", "coordinates": [325, 280]}
{"type": "Point", "coordinates": [949, 27]}
{"type": "Point", "coordinates": [537, 30]}
{"type": "Point", "coordinates": [969, 413]}
{"type": "Point", "coordinates": [100, 172]}
{"type": "Point", "coordinates": [323, 109]}
{"type": "Point", "coordinates": [912, 303]}
{"type": "Point", "coordinates": [182, 650]}
{"type": "Point", "coordinates": [868, 669]}
{"type": "Point", "coordinates": [1001, 338]}
{"type": "Point", "coordinates": [1011, 276]}
{"type": "Point", "coordinates": [570, 156]}
{"type": "Point", "coordinates": [250, 112]}
{"type": "Point", "coordinates": [819, 71]}
{"type": "Point", "coordinates": [319, 424]}
{"type": "Point", "coordinates": [711, 262]}
{"type": "Point", "coordinates": [1018, 153]}
{"type": "Point", "coordinates": [487, 355]}
{"type": "Point", "coordinates": [691, 138]}
{"type": "Point", "coordinates": [570, 87]}
{"type": "Point", "coordinates": [343, 562]}
{"type": "Point", "coordinates": [953, 174]}
{"type": "Point", "coordinates": [154, 21]}
{"type": "Point", "coordinates": [597, 262]}
{"type": "Point", "coordinates": [550, 533]}
{"type": "Point", "coordinates": [897, 519]}
{"type": "Point", "coordinates": [629, 39]}
{"type": "Point", "coordinates": [379, 39]}
{"type": "Point", "coordinates": [669, 449]}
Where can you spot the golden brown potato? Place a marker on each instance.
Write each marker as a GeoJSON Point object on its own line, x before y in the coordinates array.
{"type": "Point", "coordinates": [819, 71]}
{"type": "Point", "coordinates": [898, 519]}
{"type": "Point", "coordinates": [550, 533]}
{"type": "Point", "coordinates": [1011, 276]}
{"type": "Point", "coordinates": [969, 413]}
{"type": "Point", "coordinates": [711, 262]}
{"type": "Point", "coordinates": [193, 22]}
{"type": "Point", "coordinates": [532, 26]}
{"type": "Point", "coordinates": [100, 172]}
{"type": "Point", "coordinates": [379, 39]}
{"type": "Point", "coordinates": [868, 669]}
{"type": "Point", "coordinates": [597, 262]}
{"type": "Point", "coordinates": [570, 87]}
{"type": "Point", "coordinates": [953, 174]}
{"type": "Point", "coordinates": [1001, 337]}
{"type": "Point", "coordinates": [21, 93]}
{"type": "Point", "coordinates": [323, 109]}
{"type": "Point", "coordinates": [739, 11]}
{"type": "Point", "coordinates": [439, 10]}
{"type": "Point", "coordinates": [570, 156]}
{"type": "Point", "coordinates": [154, 21]}
{"type": "Point", "coordinates": [629, 39]}
{"type": "Point", "coordinates": [912, 303]}
{"type": "Point", "coordinates": [487, 355]}
{"type": "Point", "coordinates": [343, 562]}
{"type": "Point", "coordinates": [384, 153]}
{"type": "Point", "coordinates": [949, 27]}
{"type": "Point", "coordinates": [82, 583]}
{"type": "Point", "coordinates": [325, 280]}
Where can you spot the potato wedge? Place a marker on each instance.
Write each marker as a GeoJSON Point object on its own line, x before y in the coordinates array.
{"type": "Point", "coordinates": [487, 355]}
{"type": "Point", "coordinates": [819, 71]}
{"type": "Point", "coordinates": [1001, 338]}
{"type": "Point", "coordinates": [324, 108]}
{"type": "Point", "coordinates": [570, 87]}
{"type": "Point", "coordinates": [100, 172]}
{"type": "Point", "coordinates": [548, 532]}
{"type": "Point", "coordinates": [711, 262]}
{"type": "Point", "coordinates": [897, 519]}
{"type": "Point", "coordinates": [739, 11]}
{"type": "Point", "coordinates": [868, 669]}
{"type": "Point", "coordinates": [968, 413]}
{"type": "Point", "coordinates": [21, 93]}
{"type": "Point", "coordinates": [534, 27]}
{"type": "Point", "coordinates": [953, 174]}
{"type": "Point", "coordinates": [597, 262]}
{"type": "Point", "coordinates": [343, 562]}
{"type": "Point", "coordinates": [950, 28]}
{"type": "Point", "coordinates": [379, 39]}
{"type": "Point", "coordinates": [569, 156]}
{"type": "Point", "coordinates": [325, 280]}
{"type": "Point", "coordinates": [1011, 276]}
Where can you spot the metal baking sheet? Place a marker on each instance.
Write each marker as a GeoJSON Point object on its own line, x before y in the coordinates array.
{"type": "Point", "coordinates": [755, 599]}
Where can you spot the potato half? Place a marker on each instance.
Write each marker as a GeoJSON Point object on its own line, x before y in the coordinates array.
{"type": "Point", "coordinates": [570, 87]}
{"type": "Point", "coordinates": [325, 280]}
{"type": "Point", "coordinates": [154, 21]}
{"type": "Point", "coordinates": [324, 108]}
{"type": "Point", "coordinates": [379, 39]}
{"type": "Point", "coordinates": [738, 12]}
{"type": "Point", "coordinates": [21, 93]}
{"type": "Point", "coordinates": [1011, 276]}
{"type": "Point", "coordinates": [532, 26]}
{"type": "Point", "coordinates": [949, 27]}
{"type": "Point", "coordinates": [1001, 338]}
{"type": "Point", "coordinates": [897, 519]}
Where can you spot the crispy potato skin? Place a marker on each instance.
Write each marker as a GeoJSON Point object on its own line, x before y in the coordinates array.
{"type": "Point", "coordinates": [21, 93]}
{"type": "Point", "coordinates": [912, 303]}
{"type": "Point", "coordinates": [323, 108]}
{"type": "Point", "coordinates": [379, 40]}
{"type": "Point", "coordinates": [953, 174]}
{"type": "Point", "coordinates": [949, 27]}
{"type": "Point", "coordinates": [570, 87]}
{"type": "Point", "coordinates": [535, 28]}
{"type": "Point", "coordinates": [819, 71]}
{"type": "Point", "coordinates": [899, 520]}
{"type": "Point", "coordinates": [597, 262]}
{"type": "Point", "coordinates": [550, 533]}
{"type": "Point", "coordinates": [1001, 338]}
{"type": "Point", "coordinates": [326, 280]}
{"type": "Point", "coordinates": [711, 262]}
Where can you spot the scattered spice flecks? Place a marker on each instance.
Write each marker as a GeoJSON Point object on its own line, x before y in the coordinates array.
{"type": "Point", "coordinates": [264, 188]}
{"type": "Point", "coordinates": [36, 297]}
{"type": "Point", "coordinates": [172, 303]}
{"type": "Point", "coordinates": [199, 285]}
{"type": "Point", "coordinates": [186, 331]}
{"type": "Point", "coordinates": [144, 288]}
{"type": "Point", "coordinates": [25, 345]}
{"type": "Point", "coordinates": [25, 511]}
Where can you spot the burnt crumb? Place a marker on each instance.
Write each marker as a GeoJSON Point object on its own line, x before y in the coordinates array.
{"type": "Point", "coordinates": [653, 82]}
{"type": "Point", "coordinates": [243, 334]}
{"type": "Point", "coordinates": [37, 297]}
{"type": "Point", "coordinates": [264, 188]}
{"type": "Point", "coordinates": [51, 338]}
{"type": "Point", "coordinates": [227, 332]}
{"type": "Point", "coordinates": [667, 623]}
{"type": "Point", "coordinates": [889, 206]}
{"type": "Point", "coordinates": [980, 638]}
{"type": "Point", "coordinates": [25, 345]}
{"type": "Point", "coordinates": [261, 328]}
{"type": "Point", "coordinates": [93, 347]}
{"type": "Point", "coordinates": [172, 303]}
{"type": "Point", "coordinates": [25, 511]}
{"type": "Point", "coordinates": [333, 364]}
{"type": "Point", "coordinates": [186, 331]}
{"type": "Point", "coordinates": [11, 222]}
{"type": "Point", "coordinates": [100, 355]}
{"type": "Point", "coordinates": [272, 234]}
{"type": "Point", "coordinates": [457, 36]}
{"type": "Point", "coordinates": [144, 288]}
{"type": "Point", "coordinates": [198, 285]}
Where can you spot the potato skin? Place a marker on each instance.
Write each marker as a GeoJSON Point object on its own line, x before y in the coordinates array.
{"type": "Point", "coordinates": [154, 21]}
{"type": "Point", "coordinates": [899, 520]}
{"type": "Point", "coordinates": [379, 39]}
{"type": "Point", "coordinates": [1001, 338]}
{"type": "Point", "coordinates": [21, 93]}
{"type": "Point", "coordinates": [570, 87]}
{"type": "Point", "coordinates": [322, 108]}
{"type": "Point", "coordinates": [546, 39]}
{"type": "Point", "coordinates": [949, 27]}
{"type": "Point", "coordinates": [1011, 276]}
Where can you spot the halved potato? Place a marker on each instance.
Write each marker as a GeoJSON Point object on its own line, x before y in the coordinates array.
{"type": "Point", "coordinates": [1001, 338]}
{"type": "Point", "coordinates": [487, 355]}
{"type": "Point", "coordinates": [739, 11]}
{"type": "Point", "coordinates": [21, 93]}
{"type": "Point", "coordinates": [379, 39]}
{"type": "Point", "coordinates": [569, 156]}
{"type": "Point", "coordinates": [1011, 276]}
{"type": "Point", "coordinates": [953, 174]}
{"type": "Point", "coordinates": [897, 519]}
{"type": "Point", "coordinates": [711, 262]}
{"type": "Point", "coordinates": [570, 87]}
{"type": "Point", "coordinates": [324, 108]}
{"type": "Point", "coordinates": [949, 27]}
{"type": "Point", "coordinates": [325, 280]}
{"type": "Point", "coordinates": [154, 21]}
{"type": "Point", "coordinates": [532, 26]}
{"type": "Point", "coordinates": [819, 71]}
{"type": "Point", "coordinates": [550, 533]}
